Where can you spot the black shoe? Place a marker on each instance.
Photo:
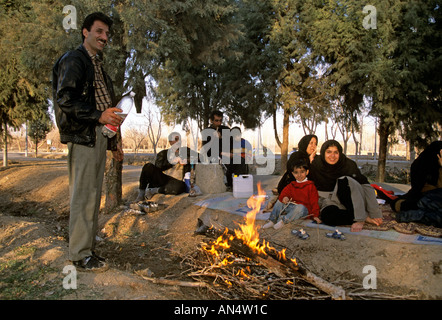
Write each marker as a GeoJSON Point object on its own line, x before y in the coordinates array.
{"type": "Point", "coordinates": [92, 264]}
{"type": "Point", "coordinates": [98, 257]}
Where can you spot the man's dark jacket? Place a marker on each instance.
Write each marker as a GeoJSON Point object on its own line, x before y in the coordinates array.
{"type": "Point", "coordinates": [74, 98]}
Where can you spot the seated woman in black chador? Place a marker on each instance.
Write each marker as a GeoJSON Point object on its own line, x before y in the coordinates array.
{"type": "Point", "coordinates": [307, 149]}
{"type": "Point", "coordinates": [345, 195]}
{"type": "Point", "coordinates": [423, 202]}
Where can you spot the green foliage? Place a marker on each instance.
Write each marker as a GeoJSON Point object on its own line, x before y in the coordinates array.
{"type": "Point", "coordinates": [244, 57]}
{"type": "Point", "coordinates": [24, 69]}
{"type": "Point", "coordinates": [194, 50]}
{"type": "Point", "coordinates": [393, 64]}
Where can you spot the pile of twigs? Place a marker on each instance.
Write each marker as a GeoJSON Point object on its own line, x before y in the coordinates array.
{"type": "Point", "coordinates": [232, 275]}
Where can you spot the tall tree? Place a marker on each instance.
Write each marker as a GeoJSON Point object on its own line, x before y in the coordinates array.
{"type": "Point", "coordinates": [38, 129]}
{"type": "Point", "coordinates": [197, 41]}
{"type": "Point", "coordinates": [22, 96]}
{"type": "Point", "coordinates": [418, 56]}
{"type": "Point", "coordinates": [389, 61]}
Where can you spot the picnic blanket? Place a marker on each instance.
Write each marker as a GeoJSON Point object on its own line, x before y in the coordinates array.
{"type": "Point", "coordinates": [238, 206]}
{"type": "Point", "coordinates": [226, 202]}
{"type": "Point", "coordinates": [391, 235]}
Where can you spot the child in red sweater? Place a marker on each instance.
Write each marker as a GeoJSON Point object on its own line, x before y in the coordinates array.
{"type": "Point", "coordinates": [298, 199]}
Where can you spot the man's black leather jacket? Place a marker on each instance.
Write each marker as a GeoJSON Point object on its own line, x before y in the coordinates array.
{"type": "Point", "coordinates": [74, 98]}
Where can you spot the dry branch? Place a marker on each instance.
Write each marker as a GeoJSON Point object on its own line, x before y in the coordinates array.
{"type": "Point", "coordinates": [175, 282]}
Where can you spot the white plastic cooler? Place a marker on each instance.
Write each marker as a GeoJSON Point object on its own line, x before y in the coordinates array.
{"type": "Point", "coordinates": [243, 186]}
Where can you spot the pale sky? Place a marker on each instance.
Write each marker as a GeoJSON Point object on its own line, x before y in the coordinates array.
{"type": "Point", "coordinates": [267, 133]}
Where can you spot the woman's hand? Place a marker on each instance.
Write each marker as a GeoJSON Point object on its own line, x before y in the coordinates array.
{"type": "Point", "coordinates": [439, 156]}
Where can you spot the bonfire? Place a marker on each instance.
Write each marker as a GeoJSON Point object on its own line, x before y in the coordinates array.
{"type": "Point", "coordinates": [239, 261]}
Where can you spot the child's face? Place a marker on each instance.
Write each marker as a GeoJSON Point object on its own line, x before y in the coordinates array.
{"type": "Point", "coordinates": [300, 173]}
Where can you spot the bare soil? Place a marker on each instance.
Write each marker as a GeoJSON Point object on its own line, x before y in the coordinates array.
{"type": "Point", "coordinates": [34, 214]}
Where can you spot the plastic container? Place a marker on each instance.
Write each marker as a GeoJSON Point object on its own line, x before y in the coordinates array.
{"type": "Point", "coordinates": [243, 186]}
{"type": "Point", "coordinates": [125, 104]}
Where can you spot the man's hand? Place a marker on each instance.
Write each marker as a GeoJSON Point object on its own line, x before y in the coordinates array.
{"type": "Point", "coordinates": [109, 117]}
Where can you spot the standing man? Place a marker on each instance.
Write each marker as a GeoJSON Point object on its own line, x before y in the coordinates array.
{"type": "Point", "coordinates": [83, 102]}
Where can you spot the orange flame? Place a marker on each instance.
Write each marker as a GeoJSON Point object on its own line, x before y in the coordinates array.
{"type": "Point", "coordinates": [248, 232]}
{"type": "Point", "coordinates": [223, 243]}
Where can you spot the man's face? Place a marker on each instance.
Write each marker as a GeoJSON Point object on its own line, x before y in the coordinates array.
{"type": "Point", "coordinates": [217, 121]}
{"type": "Point", "coordinates": [96, 39]}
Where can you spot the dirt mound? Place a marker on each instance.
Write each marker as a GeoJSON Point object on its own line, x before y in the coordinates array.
{"type": "Point", "coordinates": [34, 207]}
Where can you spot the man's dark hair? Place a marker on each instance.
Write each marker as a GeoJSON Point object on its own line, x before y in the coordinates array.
{"type": "Point", "coordinates": [90, 19]}
{"type": "Point", "coordinates": [215, 113]}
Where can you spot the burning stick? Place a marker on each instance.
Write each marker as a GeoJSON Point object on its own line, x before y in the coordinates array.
{"type": "Point", "coordinates": [245, 240]}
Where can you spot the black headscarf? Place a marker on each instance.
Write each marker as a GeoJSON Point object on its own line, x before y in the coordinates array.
{"type": "Point", "coordinates": [324, 175]}
{"type": "Point", "coordinates": [302, 151]}
{"type": "Point", "coordinates": [296, 158]}
{"type": "Point", "coordinates": [304, 142]}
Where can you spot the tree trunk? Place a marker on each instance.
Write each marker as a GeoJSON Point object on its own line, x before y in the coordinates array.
{"type": "Point", "coordinates": [285, 140]}
{"type": "Point", "coordinates": [384, 129]}
{"type": "Point", "coordinates": [113, 181]}
{"type": "Point", "coordinates": [283, 145]}
{"type": "Point", "coordinates": [114, 169]}
{"type": "Point", "coordinates": [5, 145]}
{"type": "Point", "coordinates": [36, 148]}
{"type": "Point", "coordinates": [275, 128]}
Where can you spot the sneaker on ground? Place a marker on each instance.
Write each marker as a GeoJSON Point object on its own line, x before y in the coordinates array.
{"type": "Point", "coordinates": [150, 192]}
{"type": "Point", "coordinates": [92, 264]}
